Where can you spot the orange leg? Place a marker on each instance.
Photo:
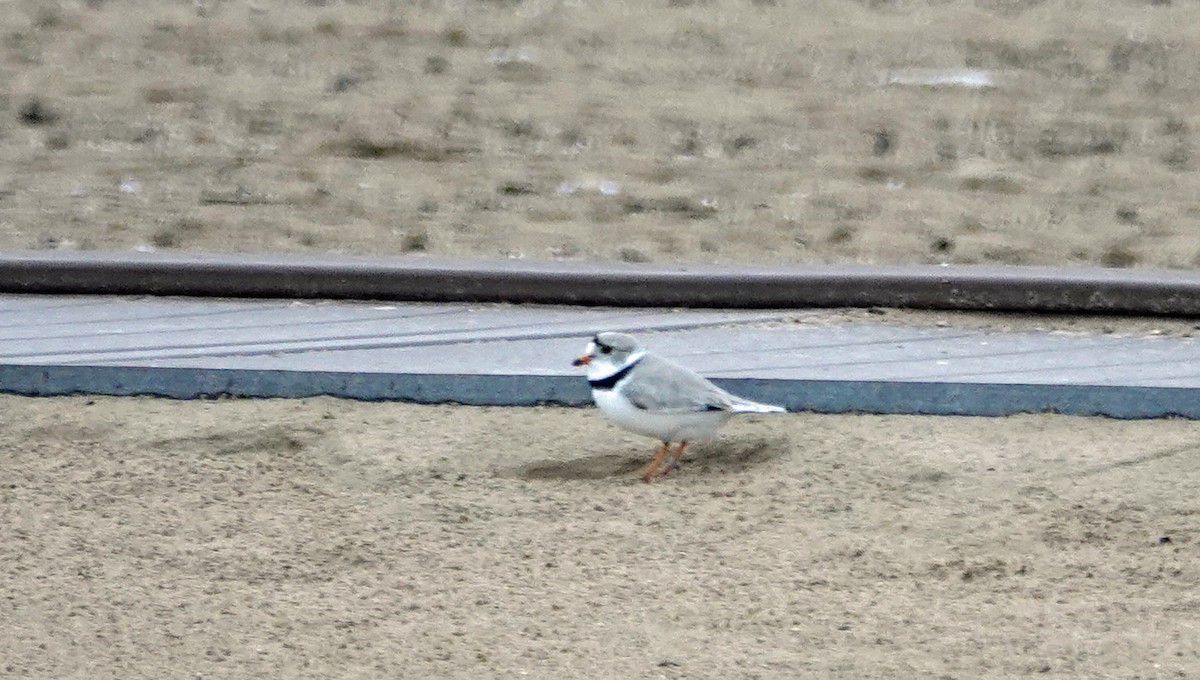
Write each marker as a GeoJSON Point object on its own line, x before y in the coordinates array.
{"type": "Point", "coordinates": [674, 460]}
{"type": "Point", "coordinates": [654, 464]}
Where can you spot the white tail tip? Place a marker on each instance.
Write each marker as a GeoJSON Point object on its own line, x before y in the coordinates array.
{"type": "Point", "coordinates": [755, 407]}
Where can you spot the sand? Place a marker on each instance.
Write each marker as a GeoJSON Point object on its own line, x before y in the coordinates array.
{"type": "Point", "coordinates": [670, 131]}
{"type": "Point", "coordinates": [324, 538]}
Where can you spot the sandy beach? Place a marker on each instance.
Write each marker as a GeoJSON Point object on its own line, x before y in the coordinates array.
{"type": "Point", "coordinates": [673, 131]}
{"type": "Point", "coordinates": [323, 538]}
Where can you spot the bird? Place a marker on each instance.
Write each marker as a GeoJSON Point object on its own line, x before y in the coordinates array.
{"type": "Point", "coordinates": [652, 396]}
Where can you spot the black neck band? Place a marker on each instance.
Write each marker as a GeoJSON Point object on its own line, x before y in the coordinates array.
{"type": "Point", "coordinates": [612, 380]}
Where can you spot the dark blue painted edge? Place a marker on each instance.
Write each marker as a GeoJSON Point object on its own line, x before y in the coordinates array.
{"type": "Point", "coordinates": [822, 396]}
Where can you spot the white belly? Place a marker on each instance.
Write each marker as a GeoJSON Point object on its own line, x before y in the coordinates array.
{"type": "Point", "coordinates": [667, 427]}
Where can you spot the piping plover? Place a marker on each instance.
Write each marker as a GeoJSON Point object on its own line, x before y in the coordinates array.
{"type": "Point", "coordinates": [652, 396]}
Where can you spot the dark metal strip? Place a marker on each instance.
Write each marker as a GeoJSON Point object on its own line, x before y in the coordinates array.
{"type": "Point", "coordinates": [956, 287]}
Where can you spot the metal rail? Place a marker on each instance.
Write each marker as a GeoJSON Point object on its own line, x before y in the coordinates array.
{"type": "Point", "coordinates": [952, 287]}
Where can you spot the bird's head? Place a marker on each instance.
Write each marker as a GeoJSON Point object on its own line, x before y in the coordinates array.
{"type": "Point", "coordinates": [607, 352]}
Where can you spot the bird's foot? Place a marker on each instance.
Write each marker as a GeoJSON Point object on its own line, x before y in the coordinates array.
{"type": "Point", "coordinates": [666, 470]}
{"type": "Point", "coordinates": [651, 469]}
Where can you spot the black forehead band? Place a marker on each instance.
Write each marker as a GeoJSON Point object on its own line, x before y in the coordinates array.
{"type": "Point", "coordinates": [601, 345]}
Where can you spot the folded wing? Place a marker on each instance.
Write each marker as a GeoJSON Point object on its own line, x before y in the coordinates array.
{"type": "Point", "coordinates": [664, 387]}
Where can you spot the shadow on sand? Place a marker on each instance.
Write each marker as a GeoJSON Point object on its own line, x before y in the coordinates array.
{"type": "Point", "coordinates": [712, 458]}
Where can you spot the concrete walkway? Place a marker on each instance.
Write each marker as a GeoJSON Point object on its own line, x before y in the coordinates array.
{"type": "Point", "coordinates": [520, 355]}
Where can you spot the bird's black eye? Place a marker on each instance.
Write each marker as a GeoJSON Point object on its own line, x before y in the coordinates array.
{"type": "Point", "coordinates": [605, 349]}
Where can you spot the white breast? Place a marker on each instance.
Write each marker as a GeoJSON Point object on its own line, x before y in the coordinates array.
{"type": "Point", "coordinates": [667, 427]}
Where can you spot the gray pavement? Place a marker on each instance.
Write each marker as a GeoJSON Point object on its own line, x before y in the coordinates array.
{"type": "Point", "coordinates": [520, 355]}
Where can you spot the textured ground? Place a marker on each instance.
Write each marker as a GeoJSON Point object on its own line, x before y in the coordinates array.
{"type": "Point", "coordinates": [674, 130]}
{"type": "Point", "coordinates": [320, 538]}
